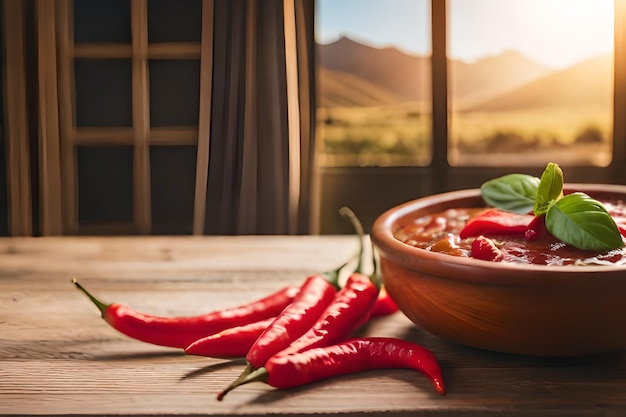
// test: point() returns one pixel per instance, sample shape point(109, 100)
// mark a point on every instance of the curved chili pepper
point(237, 341)
point(356, 355)
point(180, 332)
point(350, 309)
point(347, 310)
point(230, 343)
point(315, 295)
point(384, 305)
point(312, 298)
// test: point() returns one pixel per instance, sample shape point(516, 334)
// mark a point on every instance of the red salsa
point(440, 232)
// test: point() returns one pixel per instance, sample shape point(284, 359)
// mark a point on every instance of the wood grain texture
point(58, 357)
point(141, 116)
point(50, 184)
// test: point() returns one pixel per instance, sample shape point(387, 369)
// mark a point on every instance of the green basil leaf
point(513, 192)
point(550, 188)
point(583, 222)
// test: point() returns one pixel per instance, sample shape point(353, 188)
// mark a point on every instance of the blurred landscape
point(374, 108)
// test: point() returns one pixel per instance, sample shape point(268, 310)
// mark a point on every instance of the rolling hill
point(407, 77)
point(400, 74)
point(354, 74)
point(338, 88)
point(588, 83)
point(491, 76)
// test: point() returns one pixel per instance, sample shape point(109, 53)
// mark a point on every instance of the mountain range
point(354, 74)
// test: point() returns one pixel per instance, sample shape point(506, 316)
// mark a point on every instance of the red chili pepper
point(180, 332)
point(296, 320)
point(356, 355)
point(237, 341)
point(384, 306)
point(350, 309)
point(230, 343)
point(494, 222)
point(314, 296)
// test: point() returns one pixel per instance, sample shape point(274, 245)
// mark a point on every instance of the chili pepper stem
point(102, 306)
point(244, 374)
point(254, 375)
point(358, 227)
point(333, 276)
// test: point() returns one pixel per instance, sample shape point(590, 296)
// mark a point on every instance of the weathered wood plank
point(58, 357)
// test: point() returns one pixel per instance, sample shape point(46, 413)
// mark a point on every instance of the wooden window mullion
point(50, 164)
point(141, 115)
point(619, 89)
point(439, 60)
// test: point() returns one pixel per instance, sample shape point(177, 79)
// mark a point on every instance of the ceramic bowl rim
point(481, 271)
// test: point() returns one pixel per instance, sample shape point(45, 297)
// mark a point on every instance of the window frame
point(60, 136)
point(387, 186)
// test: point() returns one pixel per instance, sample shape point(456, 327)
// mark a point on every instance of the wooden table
point(58, 357)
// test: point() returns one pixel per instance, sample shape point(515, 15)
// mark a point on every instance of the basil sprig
point(575, 219)
point(513, 192)
point(550, 189)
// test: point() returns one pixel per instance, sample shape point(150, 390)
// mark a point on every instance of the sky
point(556, 33)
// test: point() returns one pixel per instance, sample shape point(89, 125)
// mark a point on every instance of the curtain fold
point(308, 214)
point(249, 183)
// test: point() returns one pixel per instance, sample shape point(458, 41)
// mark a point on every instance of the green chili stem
point(102, 306)
point(333, 276)
point(358, 227)
point(258, 375)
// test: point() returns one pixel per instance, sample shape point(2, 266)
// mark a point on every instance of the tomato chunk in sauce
point(439, 232)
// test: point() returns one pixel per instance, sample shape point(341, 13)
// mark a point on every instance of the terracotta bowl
point(504, 307)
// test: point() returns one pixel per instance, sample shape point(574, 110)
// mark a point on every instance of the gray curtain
point(251, 185)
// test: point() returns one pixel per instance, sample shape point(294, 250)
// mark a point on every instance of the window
point(530, 80)
point(130, 78)
point(389, 131)
point(374, 83)
point(473, 137)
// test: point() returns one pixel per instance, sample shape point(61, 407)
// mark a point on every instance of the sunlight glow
point(557, 33)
